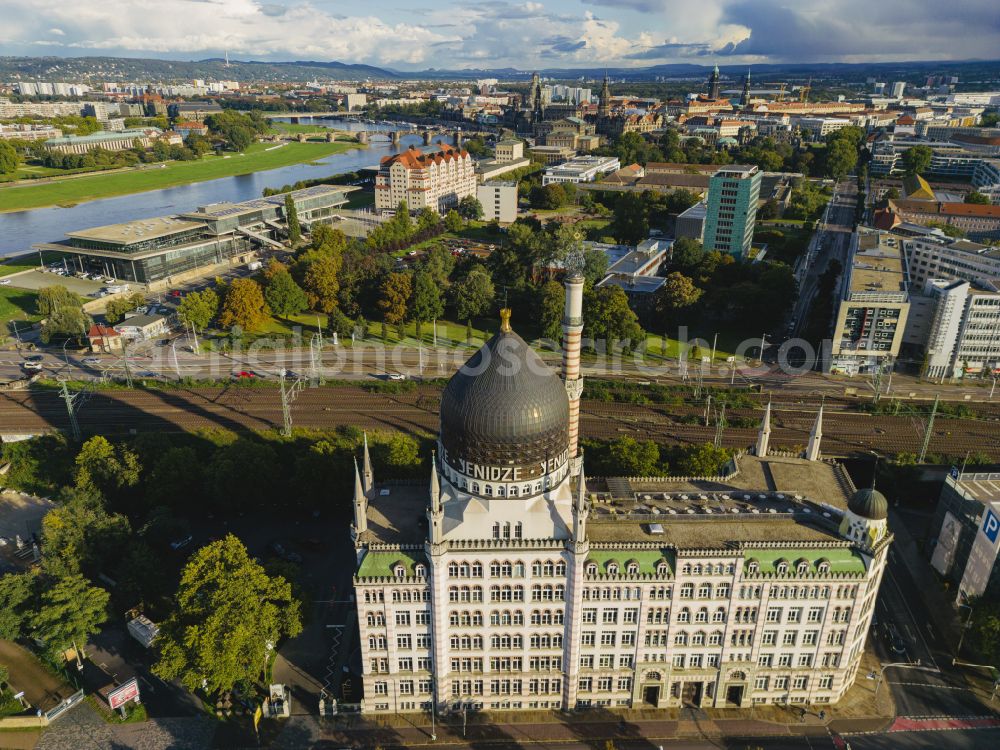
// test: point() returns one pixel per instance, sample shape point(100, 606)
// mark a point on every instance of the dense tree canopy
point(244, 306)
point(230, 614)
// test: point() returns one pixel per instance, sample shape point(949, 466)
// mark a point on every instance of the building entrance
point(734, 695)
point(651, 695)
point(692, 693)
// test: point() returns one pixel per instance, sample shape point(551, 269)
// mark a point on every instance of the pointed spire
point(435, 485)
point(815, 437)
point(581, 491)
point(369, 474)
point(764, 436)
point(360, 503)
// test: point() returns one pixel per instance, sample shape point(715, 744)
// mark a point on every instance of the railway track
point(846, 431)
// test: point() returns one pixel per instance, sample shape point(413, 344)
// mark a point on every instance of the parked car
point(91, 360)
point(33, 366)
point(4, 282)
point(175, 293)
point(397, 376)
point(243, 374)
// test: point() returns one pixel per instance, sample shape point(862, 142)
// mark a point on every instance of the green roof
point(841, 559)
point(379, 564)
point(647, 559)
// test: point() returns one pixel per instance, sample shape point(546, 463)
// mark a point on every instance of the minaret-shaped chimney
point(572, 327)
point(764, 436)
point(360, 505)
point(369, 475)
point(435, 485)
point(815, 437)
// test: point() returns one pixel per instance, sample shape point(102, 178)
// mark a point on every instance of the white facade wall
point(499, 201)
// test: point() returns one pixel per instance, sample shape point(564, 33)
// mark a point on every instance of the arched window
point(399, 570)
point(513, 490)
point(719, 615)
point(687, 591)
point(612, 569)
point(705, 591)
point(684, 615)
point(633, 568)
point(781, 567)
point(802, 567)
point(686, 569)
point(591, 568)
point(753, 568)
point(421, 570)
point(662, 568)
point(701, 615)
point(824, 566)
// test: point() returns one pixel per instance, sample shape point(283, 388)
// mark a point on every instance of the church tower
point(713, 84)
point(535, 95)
point(604, 102)
point(745, 97)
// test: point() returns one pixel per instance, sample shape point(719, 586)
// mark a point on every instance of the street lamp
point(965, 628)
point(901, 665)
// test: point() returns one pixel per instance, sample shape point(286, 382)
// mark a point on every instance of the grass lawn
point(155, 177)
point(360, 199)
point(17, 304)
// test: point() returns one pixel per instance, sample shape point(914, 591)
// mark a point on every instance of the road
point(831, 241)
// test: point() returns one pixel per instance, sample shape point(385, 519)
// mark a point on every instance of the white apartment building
point(437, 180)
point(510, 582)
point(929, 258)
point(581, 169)
point(499, 201)
point(874, 305)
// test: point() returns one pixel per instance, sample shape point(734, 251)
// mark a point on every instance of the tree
point(116, 308)
point(949, 230)
point(66, 322)
point(439, 263)
point(841, 158)
point(474, 294)
point(9, 159)
point(984, 631)
point(631, 223)
point(453, 221)
point(426, 303)
point(470, 208)
point(394, 296)
point(977, 198)
point(917, 159)
point(17, 592)
point(53, 298)
point(81, 538)
point(292, 219)
point(229, 617)
point(71, 611)
point(608, 317)
point(635, 458)
point(284, 296)
point(104, 469)
point(770, 210)
point(550, 312)
point(595, 264)
point(244, 306)
point(702, 461)
point(677, 293)
point(686, 254)
point(242, 474)
point(198, 308)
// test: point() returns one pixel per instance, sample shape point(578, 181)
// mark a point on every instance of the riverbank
point(80, 189)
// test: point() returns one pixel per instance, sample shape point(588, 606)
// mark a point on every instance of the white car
point(32, 365)
point(91, 360)
point(396, 376)
point(4, 282)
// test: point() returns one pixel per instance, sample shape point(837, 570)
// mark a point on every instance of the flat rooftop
point(140, 229)
point(774, 499)
point(878, 265)
point(982, 486)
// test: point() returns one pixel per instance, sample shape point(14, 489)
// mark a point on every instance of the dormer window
point(753, 568)
point(781, 567)
point(633, 568)
point(824, 566)
point(612, 569)
point(802, 567)
point(399, 570)
point(662, 569)
point(420, 570)
point(591, 569)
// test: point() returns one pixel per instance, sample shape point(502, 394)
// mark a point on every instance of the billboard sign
point(947, 542)
point(124, 693)
point(983, 555)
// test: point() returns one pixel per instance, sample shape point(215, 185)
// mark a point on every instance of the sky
point(411, 35)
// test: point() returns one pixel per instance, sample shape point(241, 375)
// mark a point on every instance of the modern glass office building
point(732, 209)
point(146, 251)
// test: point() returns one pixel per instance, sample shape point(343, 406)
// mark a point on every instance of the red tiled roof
point(414, 158)
point(98, 332)
point(947, 209)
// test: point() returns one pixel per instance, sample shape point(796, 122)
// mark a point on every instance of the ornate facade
point(509, 581)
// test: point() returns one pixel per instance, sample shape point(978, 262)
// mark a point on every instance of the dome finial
point(505, 320)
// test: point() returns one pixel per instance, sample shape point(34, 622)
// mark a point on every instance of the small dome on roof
point(869, 503)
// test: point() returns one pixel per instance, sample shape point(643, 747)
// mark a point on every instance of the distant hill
point(167, 71)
